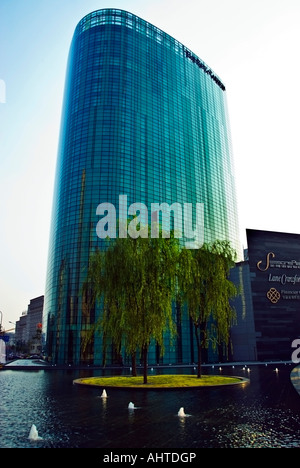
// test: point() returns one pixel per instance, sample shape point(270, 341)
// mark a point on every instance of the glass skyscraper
point(144, 117)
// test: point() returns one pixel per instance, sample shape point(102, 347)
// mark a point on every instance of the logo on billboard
point(285, 264)
point(270, 254)
point(273, 295)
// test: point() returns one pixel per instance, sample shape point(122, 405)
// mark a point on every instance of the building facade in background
point(143, 116)
point(28, 334)
point(243, 335)
point(274, 262)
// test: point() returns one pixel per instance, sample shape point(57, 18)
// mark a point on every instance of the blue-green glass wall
point(145, 117)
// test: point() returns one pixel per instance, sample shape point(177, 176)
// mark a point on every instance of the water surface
point(264, 413)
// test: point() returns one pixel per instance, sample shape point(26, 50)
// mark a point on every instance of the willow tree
point(136, 280)
point(206, 289)
point(105, 284)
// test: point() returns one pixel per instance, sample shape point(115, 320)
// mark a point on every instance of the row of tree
point(136, 281)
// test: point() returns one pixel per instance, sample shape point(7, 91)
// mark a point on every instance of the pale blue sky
point(252, 45)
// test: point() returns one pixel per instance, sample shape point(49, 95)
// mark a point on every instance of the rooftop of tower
point(129, 20)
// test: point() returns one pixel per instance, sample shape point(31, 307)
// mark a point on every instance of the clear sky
point(252, 45)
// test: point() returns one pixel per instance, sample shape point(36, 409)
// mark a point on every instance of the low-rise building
point(29, 328)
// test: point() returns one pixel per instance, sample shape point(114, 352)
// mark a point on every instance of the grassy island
point(161, 381)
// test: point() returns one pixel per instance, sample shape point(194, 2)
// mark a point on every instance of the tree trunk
point(133, 361)
point(199, 373)
point(104, 351)
point(145, 356)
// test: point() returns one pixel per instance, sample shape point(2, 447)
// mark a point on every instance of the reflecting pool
point(264, 413)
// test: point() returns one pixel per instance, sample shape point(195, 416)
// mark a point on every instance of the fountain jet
point(33, 434)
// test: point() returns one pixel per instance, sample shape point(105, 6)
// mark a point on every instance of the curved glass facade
point(145, 117)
